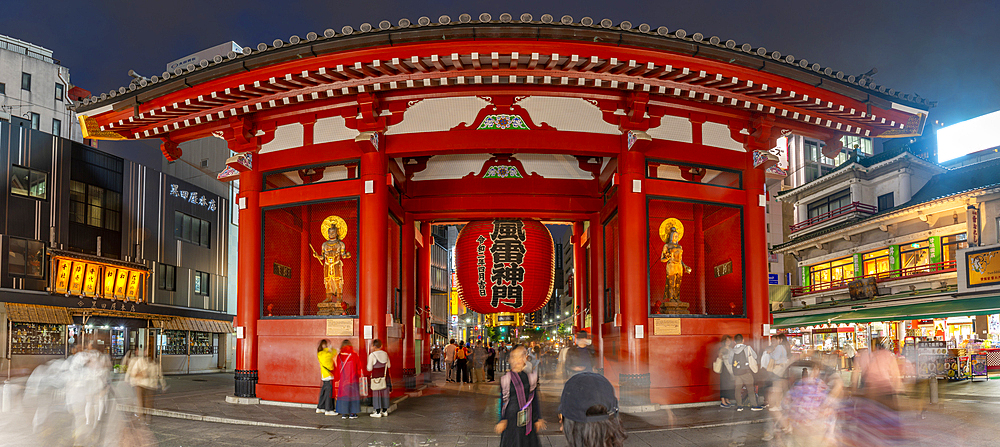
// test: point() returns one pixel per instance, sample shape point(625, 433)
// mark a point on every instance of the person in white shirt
point(449, 361)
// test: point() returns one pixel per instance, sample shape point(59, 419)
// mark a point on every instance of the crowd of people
point(78, 401)
point(588, 411)
point(810, 402)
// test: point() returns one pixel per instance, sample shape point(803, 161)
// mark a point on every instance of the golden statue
point(331, 257)
point(671, 232)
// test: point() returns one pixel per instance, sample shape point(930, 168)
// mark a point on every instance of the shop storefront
point(37, 334)
point(191, 345)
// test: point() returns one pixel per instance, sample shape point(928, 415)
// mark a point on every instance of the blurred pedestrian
point(808, 410)
point(520, 413)
point(491, 362)
point(742, 363)
point(378, 365)
point(502, 352)
point(849, 353)
point(588, 412)
point(726, 383)
point(348, 374)
point(479, 354)
point(325, 354)
point(580, 358)
point(146, 377)
point(449, 361)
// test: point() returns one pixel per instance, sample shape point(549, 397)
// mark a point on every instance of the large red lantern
point(504, 265)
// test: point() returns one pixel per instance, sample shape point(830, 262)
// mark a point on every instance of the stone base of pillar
point(409, 379)
point(633, 389)
point(246, 383)
point(425, 373)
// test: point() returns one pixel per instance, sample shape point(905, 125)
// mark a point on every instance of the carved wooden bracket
point(833, 147)
point(638, 115)
point(170, 149)
point(414, 165)
point(243, 135)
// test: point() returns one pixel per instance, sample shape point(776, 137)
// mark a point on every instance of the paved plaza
point(193, 412)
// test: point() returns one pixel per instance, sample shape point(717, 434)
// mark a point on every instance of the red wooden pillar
point(374, 232)
point(305, 261)
point(597, 286)
point(248, 282)
point(755, 244)
point(424, 296)
point(411, 331)
point(633, 247)
point(579, 278)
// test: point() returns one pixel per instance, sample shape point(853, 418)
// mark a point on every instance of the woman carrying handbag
point(348, 371)
point(378, 365)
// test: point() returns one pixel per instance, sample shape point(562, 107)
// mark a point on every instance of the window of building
point(3, 88)
point(59, 91)
point(201, 285)
point(26, 258)
point(56, 127)
point(26, 81)
point(915, 254)
point(94, 206)
point(167, 277)
point(950, 245)
point(28, 182)
point(885, 201)
point(830, 203)
point(36, 120)
point(833, 273)
point(861, 145)
point(875, 262)
point(192, 229)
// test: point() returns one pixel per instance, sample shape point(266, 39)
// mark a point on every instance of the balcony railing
point(853, 207)
point(890, 275)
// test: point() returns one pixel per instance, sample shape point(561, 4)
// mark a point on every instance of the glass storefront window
point(875, 262)
point(951, 244)
point(173, 343)
point(915, 254)
point(325, 281)
point(833, 273)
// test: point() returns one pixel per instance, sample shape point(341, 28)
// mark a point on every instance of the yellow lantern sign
point(110, 273)
point(76, 278)
point(134, 279)
point(121, 284)
point(90, 280)
point(62, 276)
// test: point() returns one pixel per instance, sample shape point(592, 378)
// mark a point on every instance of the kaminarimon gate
point(652, 143)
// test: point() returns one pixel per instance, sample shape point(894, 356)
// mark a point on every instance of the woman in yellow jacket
point(325, 354)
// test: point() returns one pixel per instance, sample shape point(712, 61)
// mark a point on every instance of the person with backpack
point(462, 363)
point(520, 412)
point(436, 358)
point(742, 363)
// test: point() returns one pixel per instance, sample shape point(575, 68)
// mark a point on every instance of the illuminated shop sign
point(983, 267)
point(193, 197)
point(97, 280)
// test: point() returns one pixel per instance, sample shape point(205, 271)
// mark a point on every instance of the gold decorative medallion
point(333, 221)
point(665, 228)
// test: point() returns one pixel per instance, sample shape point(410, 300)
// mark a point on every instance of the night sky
point(945, 51)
